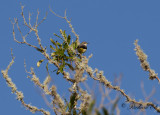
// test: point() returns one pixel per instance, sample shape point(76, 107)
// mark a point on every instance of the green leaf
point(72, 100)
point(74, 112)
point(39, 62)
point(70, 58)
point(84, 112)
point(97, 112)
point(60, 52)
point(71, 67)
point(40, 50)
point(105, 111)
point(54, 70)
point(70, 53)
point(74, 45)
point(79, 59)
point(52, 48)
point(61, 67)
point(53, 42)
point(58, 72)
point(67, 104)
point(61, 31)
point(65, 46)
point(68, 39)
point(90, 109)
point(53, 54)
point(57, 36)
point(63, 34)
point(60, 45)
point(47, 67)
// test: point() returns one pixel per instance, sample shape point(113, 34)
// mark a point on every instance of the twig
point(69, 22)
point(19, 94)
point(144, 63)
point(101, 78)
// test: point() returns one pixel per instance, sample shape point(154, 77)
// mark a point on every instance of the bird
point(82, 47)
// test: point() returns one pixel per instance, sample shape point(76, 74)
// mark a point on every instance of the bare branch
point(19, 94)
point(101, 78)
point(69, 22)
point(144, 63)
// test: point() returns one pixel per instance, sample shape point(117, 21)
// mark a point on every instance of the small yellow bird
point(82, 47)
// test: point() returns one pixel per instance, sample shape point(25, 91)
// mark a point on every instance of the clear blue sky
point(110, 26)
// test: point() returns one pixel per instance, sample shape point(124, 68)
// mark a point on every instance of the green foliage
point(39, 62)
point(47, 67)
point(91, 110)
point(70, 106)
point(72, 101)
point(69, 39)
point(88, 110)
point(40, 50)
point(70, 66)
point(63, 52)
point(91, 106)
point(105, 111)
point(97, 112)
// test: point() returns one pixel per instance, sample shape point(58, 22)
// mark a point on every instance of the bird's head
point(84, 43)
